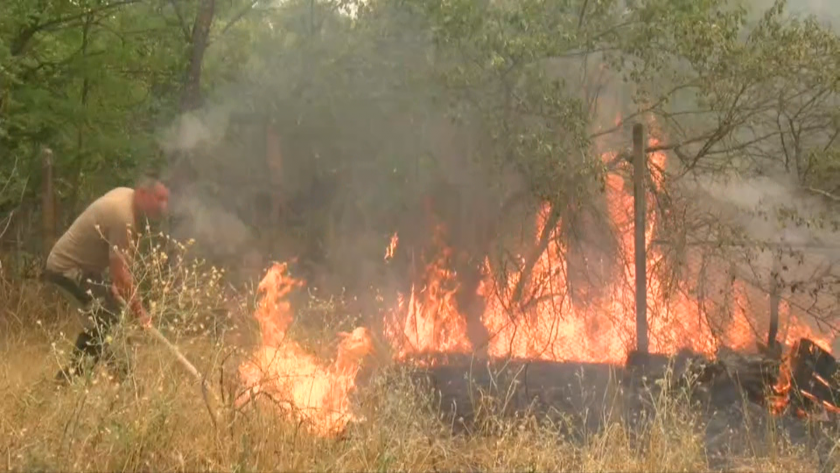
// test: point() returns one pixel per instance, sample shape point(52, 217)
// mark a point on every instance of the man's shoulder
point(105, 218)
point(116, 202)
point(116, 194)
point(114, 211)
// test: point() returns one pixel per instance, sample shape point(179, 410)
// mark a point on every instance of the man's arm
point(121, 276)
point(123, 281)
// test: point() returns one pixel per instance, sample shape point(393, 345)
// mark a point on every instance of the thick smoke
point(199, 210)
point(366, 149)
point(198, 130)
point(784, 236)
point(362, 123)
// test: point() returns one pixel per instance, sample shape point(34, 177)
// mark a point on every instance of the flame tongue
point(429, 320)
point(549, 325)
point(303, 386)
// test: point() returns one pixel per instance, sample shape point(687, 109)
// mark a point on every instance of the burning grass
point(156, 419)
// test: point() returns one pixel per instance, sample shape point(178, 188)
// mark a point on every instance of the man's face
point(154, 202)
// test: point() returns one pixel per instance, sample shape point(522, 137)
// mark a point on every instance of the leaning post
point(772, 342)
point(640, 210)
point(48, 212)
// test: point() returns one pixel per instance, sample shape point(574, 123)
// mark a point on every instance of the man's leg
point(105, 311)
point(69, 286)
point(94, 296)
point(119, 364)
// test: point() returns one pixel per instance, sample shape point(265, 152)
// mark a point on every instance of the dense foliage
point(478, 108)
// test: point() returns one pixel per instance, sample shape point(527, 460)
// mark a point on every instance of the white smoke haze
point(209, 213)
point(210, 222)
point(201, 129)
point(794, 228)
point(826, 11)
point(199, 209)
point(759, 205)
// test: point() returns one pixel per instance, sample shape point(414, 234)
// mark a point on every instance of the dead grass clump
point(158, 421)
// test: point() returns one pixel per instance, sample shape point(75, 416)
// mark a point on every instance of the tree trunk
point(191, 97)
point(75, 178)
point(182, 172)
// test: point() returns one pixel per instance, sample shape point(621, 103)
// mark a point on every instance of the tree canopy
point(329, 125)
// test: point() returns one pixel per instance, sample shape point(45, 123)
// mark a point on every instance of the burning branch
point(551, 220)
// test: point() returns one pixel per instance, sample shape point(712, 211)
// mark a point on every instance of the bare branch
point(823, 193)
point(662, 99)
point(8, 222)
point(239, 16)
point(582, 13)
point(182, 22)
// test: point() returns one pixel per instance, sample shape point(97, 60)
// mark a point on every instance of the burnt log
point(813, 378)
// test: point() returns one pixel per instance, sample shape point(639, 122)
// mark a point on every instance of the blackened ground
point(585, 397)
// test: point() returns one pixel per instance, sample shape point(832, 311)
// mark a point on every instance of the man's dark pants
point(94, 294)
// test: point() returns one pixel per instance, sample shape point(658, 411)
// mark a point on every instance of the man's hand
point(123, 287)
point(135, 306)
point(143, 317)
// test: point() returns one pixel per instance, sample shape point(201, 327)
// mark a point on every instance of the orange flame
point(602, 331)
point(392, 246)
point(429, 321)
point(303, 386)
point(548, 325)
point(551, 326)
point(780, 392)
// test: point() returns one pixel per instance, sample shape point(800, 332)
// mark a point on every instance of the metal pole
point(639, 210)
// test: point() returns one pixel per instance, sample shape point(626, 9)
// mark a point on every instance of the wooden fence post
point(48, 214)
point(772, 343)
point(639, 210)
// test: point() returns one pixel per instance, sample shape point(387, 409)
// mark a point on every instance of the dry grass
point(157, 420)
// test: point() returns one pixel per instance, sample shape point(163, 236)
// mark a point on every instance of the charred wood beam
point(813, 378)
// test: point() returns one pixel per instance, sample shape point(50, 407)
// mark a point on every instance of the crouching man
point(99, 240)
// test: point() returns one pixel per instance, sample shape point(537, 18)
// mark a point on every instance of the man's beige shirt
point(88, 243)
